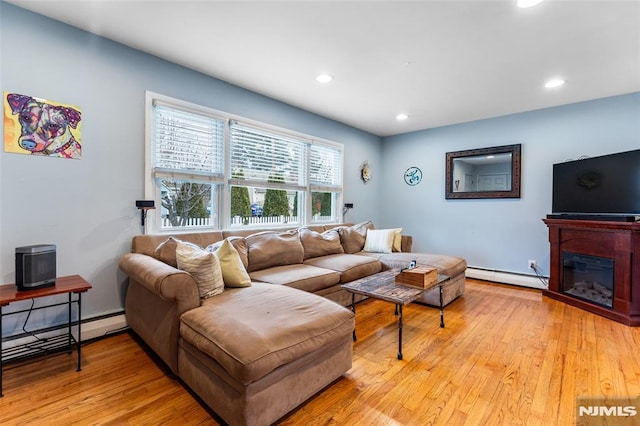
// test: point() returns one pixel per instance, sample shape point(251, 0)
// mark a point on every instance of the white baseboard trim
point(504, 277)
point(91, 329)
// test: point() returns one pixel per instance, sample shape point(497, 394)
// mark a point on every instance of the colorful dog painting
point(39, 127)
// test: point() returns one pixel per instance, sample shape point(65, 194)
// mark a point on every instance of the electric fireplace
point(589, 278)
point(595, 266)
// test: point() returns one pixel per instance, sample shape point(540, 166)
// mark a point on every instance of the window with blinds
point(267, 157)
point(210, 169)
point(187, 142)
point(187, 162)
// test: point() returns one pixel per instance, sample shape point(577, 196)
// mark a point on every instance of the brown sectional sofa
point(255, 353)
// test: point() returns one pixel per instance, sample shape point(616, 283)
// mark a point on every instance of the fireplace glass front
point(588, 278)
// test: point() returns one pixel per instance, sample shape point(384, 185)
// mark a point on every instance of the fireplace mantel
point(618, 241)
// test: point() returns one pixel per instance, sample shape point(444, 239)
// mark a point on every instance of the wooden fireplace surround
point(619, 241)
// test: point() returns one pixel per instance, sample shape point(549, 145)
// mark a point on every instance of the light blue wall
point(87, 207)
point(499, 234)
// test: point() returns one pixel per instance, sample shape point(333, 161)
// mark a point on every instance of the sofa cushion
point(245, 232)
point(350, 266)
point(233, 272)
point(147, 244)
point(166, 251)
point(447, 265)
point(303, 277)
point(203, 266)
point(239, 243)
point(163, 248)
point(268, 249)
point(353, 237)
point(254, 330)
point(320, 244)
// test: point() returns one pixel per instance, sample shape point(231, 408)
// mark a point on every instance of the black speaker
point(35, 266)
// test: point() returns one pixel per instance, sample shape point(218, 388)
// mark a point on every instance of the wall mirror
point(484, 173)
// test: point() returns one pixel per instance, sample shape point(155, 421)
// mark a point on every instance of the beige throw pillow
point(233, 271)
point(379, 240)
point(203, 266)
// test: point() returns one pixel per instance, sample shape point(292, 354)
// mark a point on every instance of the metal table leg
point(69, 335)
point(79, 329)
point(353, 308)
point(399, 309)
point(441, 308)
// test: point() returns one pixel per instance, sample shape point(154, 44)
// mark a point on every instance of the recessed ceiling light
point(556, 82)
point(401, 117)
point(324, 78)
point(527, 3)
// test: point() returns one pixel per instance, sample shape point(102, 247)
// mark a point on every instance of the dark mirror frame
point(514, 150)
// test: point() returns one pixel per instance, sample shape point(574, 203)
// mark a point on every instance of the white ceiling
point(441, 62)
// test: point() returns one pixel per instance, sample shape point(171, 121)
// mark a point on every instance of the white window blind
point(185, 141)
point(325, 167)
point(266, 156)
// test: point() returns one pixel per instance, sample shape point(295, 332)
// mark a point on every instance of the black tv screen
point(606, 185)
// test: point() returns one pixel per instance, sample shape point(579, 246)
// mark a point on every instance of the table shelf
point(40, 346)
point(44, 345)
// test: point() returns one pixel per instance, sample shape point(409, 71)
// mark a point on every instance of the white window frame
point(222, 218)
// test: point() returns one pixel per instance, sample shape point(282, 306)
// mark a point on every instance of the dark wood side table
point(64, 285)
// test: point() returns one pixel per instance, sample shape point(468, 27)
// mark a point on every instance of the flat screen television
point(605, 187)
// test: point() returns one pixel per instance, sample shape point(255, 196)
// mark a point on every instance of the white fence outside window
point(244, 221)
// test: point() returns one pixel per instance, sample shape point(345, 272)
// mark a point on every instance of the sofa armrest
point(165, 281)
point(157, 295)
point(407, 243)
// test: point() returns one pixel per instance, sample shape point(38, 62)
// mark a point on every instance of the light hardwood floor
point(507, 356)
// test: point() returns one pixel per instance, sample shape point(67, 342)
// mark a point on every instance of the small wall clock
point(413, 176)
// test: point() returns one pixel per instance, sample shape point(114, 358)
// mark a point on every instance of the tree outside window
point(240, 201)
point(186, 203)
point(321, 203)
point(276, 202)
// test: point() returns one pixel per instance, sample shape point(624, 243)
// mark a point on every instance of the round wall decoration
point(413, 176)
point(365, 172)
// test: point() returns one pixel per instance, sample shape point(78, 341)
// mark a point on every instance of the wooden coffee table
point(383, 286)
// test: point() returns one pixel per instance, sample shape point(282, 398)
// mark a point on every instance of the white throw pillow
point(203, 266)
point(379, 240)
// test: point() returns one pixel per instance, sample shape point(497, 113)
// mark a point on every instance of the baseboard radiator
point(504, 277)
